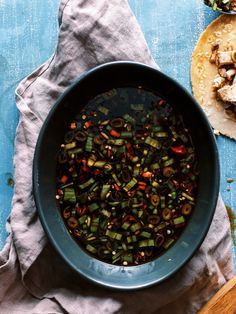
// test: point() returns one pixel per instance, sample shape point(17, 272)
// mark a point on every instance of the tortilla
point(222, 31)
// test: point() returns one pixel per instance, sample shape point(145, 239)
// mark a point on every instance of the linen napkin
point(33, 278)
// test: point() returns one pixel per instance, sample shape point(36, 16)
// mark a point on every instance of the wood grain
point(224, 301)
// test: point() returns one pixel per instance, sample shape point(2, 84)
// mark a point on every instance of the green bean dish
point(126, 176)
point(222, 5)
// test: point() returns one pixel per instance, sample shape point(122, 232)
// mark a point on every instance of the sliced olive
point(186, 209)
point(155, 199)
point(80, 136)
point(66, 213)
point(117, 123)
point(72, 222)
point(159, 239)
point(166, 214)
point(98, 140)
point(148, 252)
point(168, 171)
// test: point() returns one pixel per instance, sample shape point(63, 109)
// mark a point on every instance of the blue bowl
point(92, 83)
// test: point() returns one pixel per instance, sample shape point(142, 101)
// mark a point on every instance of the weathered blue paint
point(28, 33)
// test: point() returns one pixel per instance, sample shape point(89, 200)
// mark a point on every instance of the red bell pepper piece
point(179, 150)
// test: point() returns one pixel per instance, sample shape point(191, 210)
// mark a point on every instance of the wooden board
point(224, 301)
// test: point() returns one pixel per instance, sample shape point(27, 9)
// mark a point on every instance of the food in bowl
point(222, 5)
point(126, 176)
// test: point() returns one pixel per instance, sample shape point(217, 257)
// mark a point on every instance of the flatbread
point(222, 31)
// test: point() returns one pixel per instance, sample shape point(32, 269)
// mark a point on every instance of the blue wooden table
point(28, 35)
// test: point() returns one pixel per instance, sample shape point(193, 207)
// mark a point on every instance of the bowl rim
point(99, 268)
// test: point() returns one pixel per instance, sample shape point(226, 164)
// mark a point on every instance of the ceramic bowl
point(92, 83)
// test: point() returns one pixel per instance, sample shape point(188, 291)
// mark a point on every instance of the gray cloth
point(33, 278)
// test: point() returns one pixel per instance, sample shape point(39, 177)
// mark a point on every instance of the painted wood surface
point(28, 35)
